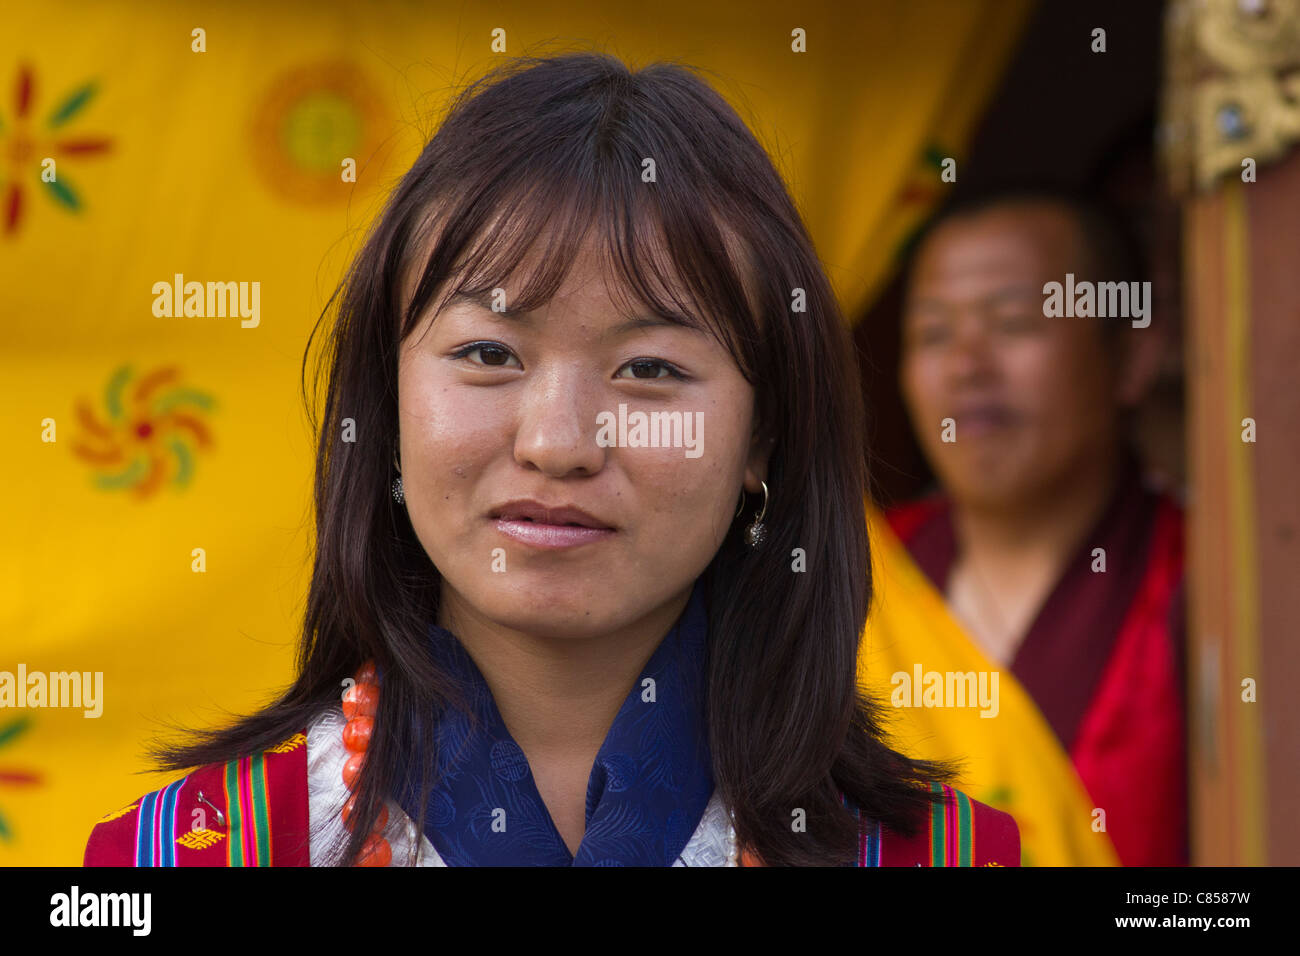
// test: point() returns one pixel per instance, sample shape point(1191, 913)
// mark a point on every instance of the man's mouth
point(982, 418)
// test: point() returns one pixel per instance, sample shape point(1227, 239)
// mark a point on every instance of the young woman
point(541, 629)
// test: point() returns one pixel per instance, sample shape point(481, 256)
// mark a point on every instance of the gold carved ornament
point(1232, 87)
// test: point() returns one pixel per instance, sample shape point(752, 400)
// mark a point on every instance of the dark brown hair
point(550, 146)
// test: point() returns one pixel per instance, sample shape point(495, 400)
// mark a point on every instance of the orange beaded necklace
point(360, 703)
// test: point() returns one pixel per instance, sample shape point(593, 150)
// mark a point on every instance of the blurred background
point(144, 141)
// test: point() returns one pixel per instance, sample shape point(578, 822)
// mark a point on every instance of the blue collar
point(649, 785)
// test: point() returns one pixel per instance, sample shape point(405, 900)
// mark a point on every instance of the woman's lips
point(550, 537)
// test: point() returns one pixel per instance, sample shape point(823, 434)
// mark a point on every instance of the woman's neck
point(559, 696)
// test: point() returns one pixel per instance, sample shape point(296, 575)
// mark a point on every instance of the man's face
point(1031, 397)
point(494, 409)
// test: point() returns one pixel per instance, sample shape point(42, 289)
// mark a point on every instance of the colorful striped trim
point(870, 852)
point(144, 830)
point(247, 806)
point(952, 829)
point(869, 842)
point(155, 827)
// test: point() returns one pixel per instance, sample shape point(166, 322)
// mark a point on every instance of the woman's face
point(504, 416)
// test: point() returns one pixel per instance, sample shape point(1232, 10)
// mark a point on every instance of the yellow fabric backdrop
point(174, 434)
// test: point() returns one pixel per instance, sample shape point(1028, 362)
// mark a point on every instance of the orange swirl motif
point(152, 432)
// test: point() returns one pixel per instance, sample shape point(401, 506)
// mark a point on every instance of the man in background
point(1062, 570)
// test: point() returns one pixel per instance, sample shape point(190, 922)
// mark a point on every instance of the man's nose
point(971, 355)
point(557, 424)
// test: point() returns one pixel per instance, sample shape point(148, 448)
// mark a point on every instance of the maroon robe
point(1104, 660)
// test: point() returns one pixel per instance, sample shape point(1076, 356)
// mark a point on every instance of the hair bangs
point(532, 231)
point(479, 244)
point(696, 279)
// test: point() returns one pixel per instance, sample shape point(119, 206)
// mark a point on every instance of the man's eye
point(653, 367)
point(931, 334)
point(491, 356)
point(1014, 322)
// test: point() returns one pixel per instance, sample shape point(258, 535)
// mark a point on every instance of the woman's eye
point(651, 368)
point(491, 356)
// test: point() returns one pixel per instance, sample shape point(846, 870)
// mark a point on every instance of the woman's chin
point(552, 621)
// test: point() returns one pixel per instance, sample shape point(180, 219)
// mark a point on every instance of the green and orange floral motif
point(12, 776)
point(24, 144)
point(310, 119)
point(150, 433)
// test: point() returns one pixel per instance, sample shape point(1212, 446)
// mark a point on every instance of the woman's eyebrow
point(483, 300)
point(645, 322)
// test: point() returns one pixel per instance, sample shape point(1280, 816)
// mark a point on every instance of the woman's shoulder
point(250, 811)
point(958, 831)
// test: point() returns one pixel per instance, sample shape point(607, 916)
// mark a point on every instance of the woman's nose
point(557, 425)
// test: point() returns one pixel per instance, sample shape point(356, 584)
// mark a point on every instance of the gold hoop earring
point(757, 530)
point(399, 494)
